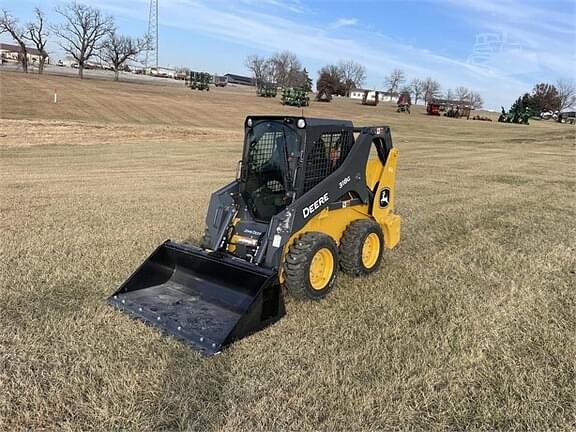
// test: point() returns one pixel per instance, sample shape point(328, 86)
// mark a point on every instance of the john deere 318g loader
point(308, 202)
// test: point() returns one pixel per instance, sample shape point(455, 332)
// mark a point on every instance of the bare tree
point(83, 32)
point(353, 75)
point(462, 93)
point(394, 80)
point(475, 100)
point(38, 34)
point(283, 69)
point(416, 88)
point(287, 69)
point(295, 77)
point(9, 24)
point(405, 89)
point(567, 93)
point(269, 71)
point(263, 69)
point(431, 89)
point(257, 65)
point(118, 50)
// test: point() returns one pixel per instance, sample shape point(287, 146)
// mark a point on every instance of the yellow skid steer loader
point(308, 202)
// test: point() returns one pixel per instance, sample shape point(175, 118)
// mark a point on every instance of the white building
point(10, 54)
point(382, 95)
point(389, 97)
point(357, 94)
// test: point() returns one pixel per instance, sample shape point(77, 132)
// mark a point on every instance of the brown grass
point(469, 325)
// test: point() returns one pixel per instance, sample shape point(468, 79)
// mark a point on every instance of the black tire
point(352, 244)
point(298, 261)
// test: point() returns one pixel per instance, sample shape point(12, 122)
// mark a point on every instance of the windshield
point(273, 149)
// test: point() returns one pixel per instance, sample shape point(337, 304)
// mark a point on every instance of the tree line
point(428, 88)
point(84, 33)
point(341, 78)
point(283, 69)
point(548, 97)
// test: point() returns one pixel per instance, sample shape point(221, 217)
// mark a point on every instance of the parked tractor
point(199, 81)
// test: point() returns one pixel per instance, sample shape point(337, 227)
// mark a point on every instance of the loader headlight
point(249, 122)
point(301, 123)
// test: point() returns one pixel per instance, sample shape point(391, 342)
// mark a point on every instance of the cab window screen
point(265, 157)
point(267, 176)
point(326, 156)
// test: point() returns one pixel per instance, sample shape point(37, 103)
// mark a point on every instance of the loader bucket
point(206, 299)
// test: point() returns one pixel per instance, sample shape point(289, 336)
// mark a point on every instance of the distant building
point(389, 96)
point(357, 94)
point(240, 80)
point(10, 54)
point(383, 96)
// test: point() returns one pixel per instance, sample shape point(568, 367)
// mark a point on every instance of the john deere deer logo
point(384, 197)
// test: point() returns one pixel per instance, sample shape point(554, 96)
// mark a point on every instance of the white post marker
point(55, 96)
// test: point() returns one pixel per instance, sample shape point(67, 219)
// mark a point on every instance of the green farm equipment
point(199, 81)
point(266, 89)
point(567, 117)
point(515, 115)
point(295, 97)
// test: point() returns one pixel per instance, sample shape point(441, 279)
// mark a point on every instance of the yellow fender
point(384, 179)
point(335, 222)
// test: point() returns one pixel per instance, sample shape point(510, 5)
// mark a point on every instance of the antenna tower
point(152, 51)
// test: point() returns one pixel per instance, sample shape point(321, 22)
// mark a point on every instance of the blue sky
point(499, 48)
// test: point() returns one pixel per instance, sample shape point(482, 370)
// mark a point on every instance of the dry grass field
point(470, 324)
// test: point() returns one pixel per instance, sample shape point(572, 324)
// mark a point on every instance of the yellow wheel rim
point(371, 250)
point(321, 269)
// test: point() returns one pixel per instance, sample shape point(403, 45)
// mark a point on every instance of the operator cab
point(275, 151)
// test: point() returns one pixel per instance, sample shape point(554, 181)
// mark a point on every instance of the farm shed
point(240, 80)
point(9, 54)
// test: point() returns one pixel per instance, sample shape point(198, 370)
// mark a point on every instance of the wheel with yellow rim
point(361, 247)
point(311, 266)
